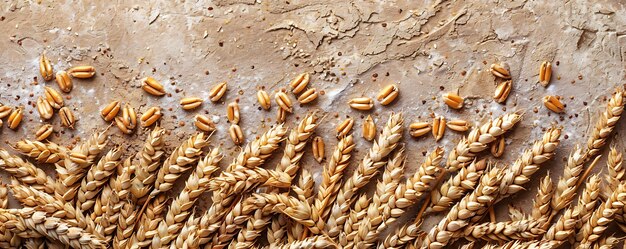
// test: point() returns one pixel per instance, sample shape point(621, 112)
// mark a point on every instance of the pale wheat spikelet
point(125, 225)
point(601, 217)
point(506, 231)
point(541, 203)
point(468, 245)
point(468, 207)
point(564, 227)
point(120, 190)
point(456, 187)
point(524, 167)
point(252, 156)
point(187, 238)
point(43, 153)
point(4, 194)
point(314, 242)
point(178, 162)
point(150, 219)
point(28, 223)
point(74, 166)
point(304, 191)
point(244, 179)
point(51, 244)
point(588, 199)
point(149, 163)
point(34, 243)
point(403, 236)
point(367, 169)
point(516, 214)
point(235, 219)
point(7, 238)
point(332, 175)
point(379, 211)
point(535, 244)
point(290, 163)
point(605, 124)
point(181, 207)
point(479, 139)
point(607, 242)
point(357, 213)
point(95, 179)
point(617, 172)
point(566, 187)
point(26, 172)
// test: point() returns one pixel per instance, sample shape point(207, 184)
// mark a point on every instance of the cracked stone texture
point(352, 49)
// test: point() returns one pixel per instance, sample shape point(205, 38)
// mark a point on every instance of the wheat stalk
point(479, 139)
point(373, 160)
point(28, 223)
point(332, 175)
point(541, 203)
point(524, 167)
point(468, 207)
point(149, 221)
point(566, 187)
point(180, 209)
point(74, 166)
point(43, 153)
point(605, 124)
point(601, 217)
point(456, 187)
point(26, 172)
point(506, 231)
point(125, 225)
point(95, 179)
point(178, 162)
point(252, 156)
point(365, 232)
point(149, 162)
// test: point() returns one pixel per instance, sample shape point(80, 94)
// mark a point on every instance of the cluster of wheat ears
point(100, 200)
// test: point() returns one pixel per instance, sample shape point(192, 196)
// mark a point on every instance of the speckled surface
point(352, 49)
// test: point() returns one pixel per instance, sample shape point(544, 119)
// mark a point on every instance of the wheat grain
point(149, 162)
point(283, 101)
point(45, 68)
point(26, 172)
point(67, 117)
point(605, 124)
point(64, 81)
point(361, 103)
point(180, 209)
point(95, 179)
point(545, 73)
point(44, 132)
point(308, 96)
point(458, 125)
point(454, 101)
point(460, 215)
point(5, 111)
point(344, 127)
point(554, 103)
point(439, 127)
point(15, 118)
point(44, 108)
point(203, 123)
point(419, 129)
point(28, 223)
point(53, 97)
point(318, 148)
point(43, 153)
point(82, 72)
point(218, 91)
point(110, 111)
point(478, 140)
point(388, 94)
point(190, 103)
point(232, 112)
point(264, 99)
point(497, 148)
point(501, 70)
point(505, 231)
point(299, 83)
point(601, 217)
point(151, 116)
point(178, 162)
point(369, 128)
point(236, 134)
point(152, 86)
point(373, 160)
point(456, 187)
point(502, 91)
point(125, 225)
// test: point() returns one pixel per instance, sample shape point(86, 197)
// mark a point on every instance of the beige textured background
point(353, 48)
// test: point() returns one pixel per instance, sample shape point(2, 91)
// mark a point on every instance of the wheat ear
point(607, 242)
point(479, 139)
point(26, 172)
point(365, 231)
point(28, 223)
point(332, 175)
point(566, 187)
point(537, 244)
point(34, 243)
point(95, 179)
point(605, 124)
point(304, 191)
point(357, 213)
point(7, 238)
point(43, 153)
point(468, 207)
point(524, 167)
point(74, 166)
point(187, 237)
point(456, 187)
point(149, 221)
point(403, 237)
point(181, 207)
point(149, 163)
point(601, 217)
point(4, 196)
point(617, 172)
point(506, 231)
point(125, 225)
point(252, 156)
point(588, 200)
point(289, 163)
point(314, 242)
point(373, 160)
point(179, 162)
point(113, 203)
point(541, 203)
